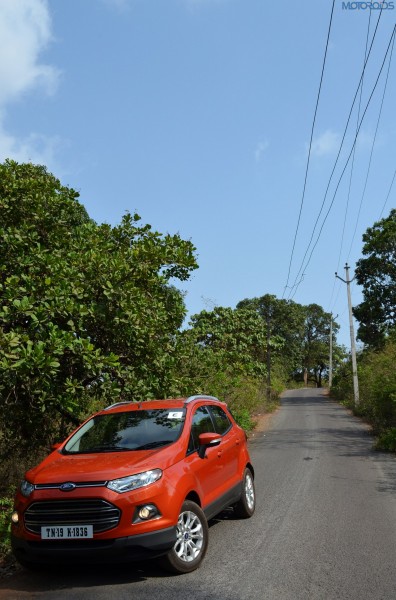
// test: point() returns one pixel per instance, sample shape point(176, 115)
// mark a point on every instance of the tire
point(192, 540)
point(245, 506)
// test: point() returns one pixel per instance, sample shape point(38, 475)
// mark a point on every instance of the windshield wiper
point(104, 448)
point(151, 445)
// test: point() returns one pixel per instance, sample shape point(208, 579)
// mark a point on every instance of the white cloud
point(365, 139)
point(25, 31)
point(261, 148)
point(35, 148)
point(325, 144)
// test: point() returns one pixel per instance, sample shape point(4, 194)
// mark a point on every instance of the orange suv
point(136, 480)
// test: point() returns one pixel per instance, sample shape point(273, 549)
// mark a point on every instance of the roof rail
point(118, 404)
point(201, 397)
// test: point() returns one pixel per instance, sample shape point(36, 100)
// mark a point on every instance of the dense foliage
point(377, 391)
point(238, 336)
point(223, 351)
point(87, 312)
point(283, 322)
point(376, 272)
point(297, 338)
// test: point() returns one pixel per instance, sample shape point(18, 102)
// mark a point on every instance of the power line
point(372, 150)
point(349, 156)
point(354, 151)
point(390, 189)
point(310, 147)
point(338, 155)
point(304, 266)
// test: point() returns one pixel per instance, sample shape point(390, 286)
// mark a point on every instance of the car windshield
point(132, 430)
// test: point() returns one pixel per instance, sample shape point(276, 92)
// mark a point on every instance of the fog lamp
point(147, 512)
point(15, 517)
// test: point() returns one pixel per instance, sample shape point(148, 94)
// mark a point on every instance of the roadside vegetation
point(376, 273)
point(91, 314)
point(377, 392)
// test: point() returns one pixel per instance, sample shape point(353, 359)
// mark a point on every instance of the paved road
point(324, 529)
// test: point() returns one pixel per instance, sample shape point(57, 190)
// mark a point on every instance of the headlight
point(127, 484)
point(26, 488)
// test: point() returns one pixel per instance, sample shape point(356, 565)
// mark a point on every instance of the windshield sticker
point(175, 415)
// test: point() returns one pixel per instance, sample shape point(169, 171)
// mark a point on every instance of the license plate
point(66, 532)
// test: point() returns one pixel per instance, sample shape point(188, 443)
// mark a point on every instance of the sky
point(199, 114)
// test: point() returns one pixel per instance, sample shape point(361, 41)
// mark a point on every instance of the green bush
point(88, 312)
point(342, 388)
point(244, 419)
point(377, 391)
point(378, 387)
point(387, 440)
point(6, 506)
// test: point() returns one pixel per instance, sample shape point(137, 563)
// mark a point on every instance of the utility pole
point(331, 350)
point(353, 347)
point(269, 355)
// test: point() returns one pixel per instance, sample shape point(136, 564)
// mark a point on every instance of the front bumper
point(125, 549)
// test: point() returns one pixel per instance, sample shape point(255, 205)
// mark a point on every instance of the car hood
point(58, 468)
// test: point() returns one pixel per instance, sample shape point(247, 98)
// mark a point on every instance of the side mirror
point(206, 440)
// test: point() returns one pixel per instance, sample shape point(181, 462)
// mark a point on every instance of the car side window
point(201, 423)
point(221, 420)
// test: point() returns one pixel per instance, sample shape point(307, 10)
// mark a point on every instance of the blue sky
point(197, 114)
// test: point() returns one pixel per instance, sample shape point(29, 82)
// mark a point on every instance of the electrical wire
point(338, 155)
point(354, 153)
point(333, 303)
point(387, 197)
point(309, 150)
point(371, 153)
point(304, 266)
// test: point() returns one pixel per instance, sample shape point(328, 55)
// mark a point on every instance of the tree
point(284, 324)
point(377, 384)
point(88, 314)
point(302, 332)
point(235, 335)
point(223, 353)
point(377, 274)
point(316, 343)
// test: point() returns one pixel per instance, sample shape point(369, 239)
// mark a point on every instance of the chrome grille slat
point(69, 511)
point(81, 484)
point(82, 518)
point(99, 513)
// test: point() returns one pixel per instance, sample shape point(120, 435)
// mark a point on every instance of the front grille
point(81, 484)
point(99, 513)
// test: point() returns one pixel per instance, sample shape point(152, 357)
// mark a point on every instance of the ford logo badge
point(67, 487)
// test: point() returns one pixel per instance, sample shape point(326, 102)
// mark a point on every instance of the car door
point(208, 471)
point(229, 447)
